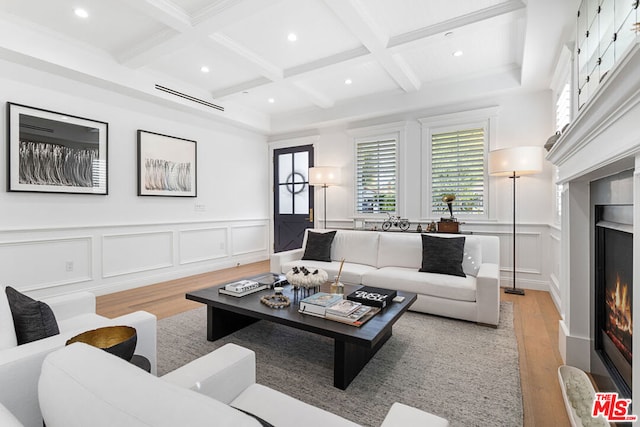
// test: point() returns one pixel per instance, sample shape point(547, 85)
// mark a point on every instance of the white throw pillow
point(472, 257)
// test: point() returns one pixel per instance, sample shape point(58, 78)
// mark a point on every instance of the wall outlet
point(222, 246)
point(68, 266)
point(201, 208)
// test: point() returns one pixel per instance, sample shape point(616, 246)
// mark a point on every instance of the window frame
point(396, 131)
point(482, 118)
point(563, 76)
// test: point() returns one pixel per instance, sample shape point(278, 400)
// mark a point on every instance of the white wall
point(121, 240)
point(525, 119)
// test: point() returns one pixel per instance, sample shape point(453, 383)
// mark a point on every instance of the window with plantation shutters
point(376, 181)
point(457, 167)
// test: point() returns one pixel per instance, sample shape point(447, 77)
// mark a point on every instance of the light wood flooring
point(535, 321)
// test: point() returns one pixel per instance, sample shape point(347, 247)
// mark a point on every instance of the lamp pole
point(324, 189)
point(514, 290)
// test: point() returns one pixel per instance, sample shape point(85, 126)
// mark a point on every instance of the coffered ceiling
point(349, 60)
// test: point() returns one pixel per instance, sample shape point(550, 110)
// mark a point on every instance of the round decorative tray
point(276, 301)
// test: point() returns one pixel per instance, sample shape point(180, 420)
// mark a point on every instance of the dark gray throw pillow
point(318, 246)
point(32, 320)
point(442, 255)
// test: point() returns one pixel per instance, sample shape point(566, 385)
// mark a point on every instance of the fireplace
point(613, 294)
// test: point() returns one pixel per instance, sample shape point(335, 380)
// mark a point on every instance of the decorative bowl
point(118, 340)
point(307, 277)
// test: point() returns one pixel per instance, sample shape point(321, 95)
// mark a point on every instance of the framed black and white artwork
point(166, 165)
point(51, 152)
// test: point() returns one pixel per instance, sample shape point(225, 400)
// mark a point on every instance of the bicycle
point(395, 220)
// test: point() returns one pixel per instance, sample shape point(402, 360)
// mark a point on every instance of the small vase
point(337, 287)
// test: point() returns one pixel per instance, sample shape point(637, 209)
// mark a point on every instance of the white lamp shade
point(324, 175)
point(525, 160)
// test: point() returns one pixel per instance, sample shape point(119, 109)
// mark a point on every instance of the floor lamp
point(515, 162)
point(324, 176)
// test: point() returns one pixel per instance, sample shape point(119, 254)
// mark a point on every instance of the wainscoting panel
point(136, 252)
point(249, 238)
point(528, 251)
point(203, 244)
point(553, 257)
point(36, 264)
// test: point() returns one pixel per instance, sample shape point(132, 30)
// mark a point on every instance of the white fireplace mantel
point(602, 141)
point(605, 136)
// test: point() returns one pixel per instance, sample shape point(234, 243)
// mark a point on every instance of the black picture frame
point(167, 165)
point(51, 152)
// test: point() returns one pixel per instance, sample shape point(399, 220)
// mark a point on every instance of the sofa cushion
point(89, 386)
point(356, 247)
point(7, 331)
point(433, 284)
point(33, 320)
point(282, 410)
point(351, 273)
point(318, 246)
point(443, 256)
point(400, 250)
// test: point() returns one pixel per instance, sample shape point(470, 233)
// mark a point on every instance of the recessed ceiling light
point(81, 13)
point(457, 53)
point(348, 81)
point(271, 100)
point(292, 37)
point(204, 69)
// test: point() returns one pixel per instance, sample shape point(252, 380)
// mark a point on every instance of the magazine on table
point(357, 318)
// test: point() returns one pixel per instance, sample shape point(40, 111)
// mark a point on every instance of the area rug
point(458, 370)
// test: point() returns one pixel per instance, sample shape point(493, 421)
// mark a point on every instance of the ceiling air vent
point(189, 97)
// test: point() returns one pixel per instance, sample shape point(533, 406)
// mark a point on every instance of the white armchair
point(80, 385)
point(75, 313)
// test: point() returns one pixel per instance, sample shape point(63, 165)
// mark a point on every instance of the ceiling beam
point(262, 66)
point(357, 19)
point(269, 71)
point(454, 23)
point(213, 18)
point(327, 61)
point(240, 87)
point(165, 11)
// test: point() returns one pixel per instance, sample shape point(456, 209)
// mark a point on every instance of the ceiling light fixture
point(204, 69)
point(292, 37)
point(81, 13)
point(457, 53)
point(348, 81)
point(271, 100)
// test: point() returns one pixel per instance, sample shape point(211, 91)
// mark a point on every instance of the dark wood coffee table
point(353, 347)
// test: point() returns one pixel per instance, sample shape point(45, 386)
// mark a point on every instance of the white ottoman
point(402, 415)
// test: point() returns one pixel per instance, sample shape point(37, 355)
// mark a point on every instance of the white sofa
point(82, 386)
point(391, 260)
point(20, 364)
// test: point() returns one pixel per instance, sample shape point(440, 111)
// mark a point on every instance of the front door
point(293, 200)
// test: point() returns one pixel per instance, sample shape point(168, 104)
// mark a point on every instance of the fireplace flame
point(620, 306)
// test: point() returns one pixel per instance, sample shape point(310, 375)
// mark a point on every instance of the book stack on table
point(316, 304)
point(242, 288)
point(333, 307)
point(350, 312)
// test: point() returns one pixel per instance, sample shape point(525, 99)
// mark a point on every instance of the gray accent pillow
point(33, 320)
point(318, 246)
point(442, 255)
